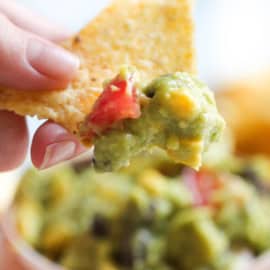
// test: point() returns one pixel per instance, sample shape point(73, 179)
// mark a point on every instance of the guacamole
point(153, 215)
point(176, 113)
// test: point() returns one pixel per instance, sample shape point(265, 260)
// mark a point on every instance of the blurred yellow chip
point(245, 105)
point(156, 36)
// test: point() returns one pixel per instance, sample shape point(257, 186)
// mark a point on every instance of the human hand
point(31, 61)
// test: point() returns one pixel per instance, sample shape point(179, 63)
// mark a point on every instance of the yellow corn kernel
point(182, 105)
point(29, 221)
point(106, 265)
point(153, 182)
point(57, 236)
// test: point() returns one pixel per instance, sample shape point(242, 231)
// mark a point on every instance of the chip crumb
point(77, 39)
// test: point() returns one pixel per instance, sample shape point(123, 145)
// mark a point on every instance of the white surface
point(232, 38)
point(71, 13)
point(8, 185)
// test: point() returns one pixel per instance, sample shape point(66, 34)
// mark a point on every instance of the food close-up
point(139, 141)
point(155, 215)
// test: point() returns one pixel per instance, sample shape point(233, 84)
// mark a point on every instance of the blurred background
point(232, 39)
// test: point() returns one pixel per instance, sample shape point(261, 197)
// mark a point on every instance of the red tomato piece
point(118, 101)
point(202, 185)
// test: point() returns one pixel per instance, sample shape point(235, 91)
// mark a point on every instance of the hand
point(31, 61)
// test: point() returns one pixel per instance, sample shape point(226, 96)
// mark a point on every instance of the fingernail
point(51, 60)
point(58, 152)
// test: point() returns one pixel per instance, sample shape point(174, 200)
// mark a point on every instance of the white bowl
point(15, 254)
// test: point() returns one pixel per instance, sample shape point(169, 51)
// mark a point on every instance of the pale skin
point(31, 60)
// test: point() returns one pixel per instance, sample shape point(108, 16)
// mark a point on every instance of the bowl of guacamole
point(153, 214)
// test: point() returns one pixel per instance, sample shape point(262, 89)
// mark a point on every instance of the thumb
point(32, 63)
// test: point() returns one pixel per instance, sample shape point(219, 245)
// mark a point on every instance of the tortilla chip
point(156, 36)
point(245, 107)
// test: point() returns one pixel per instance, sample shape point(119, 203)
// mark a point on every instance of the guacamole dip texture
point(178, 115)
point(153, 215)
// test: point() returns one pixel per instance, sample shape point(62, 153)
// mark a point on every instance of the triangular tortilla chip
point(156, 36)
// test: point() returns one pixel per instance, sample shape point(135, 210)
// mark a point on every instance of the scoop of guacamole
point(149, 216)
point(178, 115)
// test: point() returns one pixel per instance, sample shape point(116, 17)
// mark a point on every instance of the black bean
point(249, 174)
point(104, 165)
point(124, 256)
point(150, 94)
point(100, 226)
point(253, 178)
point(77, 39)
point(81, 166)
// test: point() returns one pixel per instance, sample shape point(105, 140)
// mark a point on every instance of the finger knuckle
point(12, 43)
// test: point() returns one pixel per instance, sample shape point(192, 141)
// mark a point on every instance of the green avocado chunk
point(193, 234)
point(179, 115)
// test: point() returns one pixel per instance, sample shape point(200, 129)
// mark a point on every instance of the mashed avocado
point(147, 216)
point(178, 115)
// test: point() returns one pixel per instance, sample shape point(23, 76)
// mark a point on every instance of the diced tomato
point(202, 185)
point(118, 101)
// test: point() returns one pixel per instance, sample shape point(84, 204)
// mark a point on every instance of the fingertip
point(29, 62)
point(52, 144)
